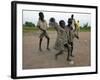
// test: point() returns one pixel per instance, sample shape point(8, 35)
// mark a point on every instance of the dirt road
point(33, 58)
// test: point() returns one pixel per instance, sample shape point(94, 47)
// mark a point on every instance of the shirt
point(73, 23)
point(77, 25)
point(70, 34)
point(42, 24)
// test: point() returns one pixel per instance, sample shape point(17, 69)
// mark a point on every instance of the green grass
point(85, 30)
point(34, 29)
point(30, 29)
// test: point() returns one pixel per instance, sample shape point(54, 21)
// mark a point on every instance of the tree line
point(30, 24)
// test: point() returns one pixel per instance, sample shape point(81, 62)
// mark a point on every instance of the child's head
point(72, 16)
point(41, 15)
point(78, 21)
point(52, 19)
point(52, 22)
point(62, 23)
point(69, 21)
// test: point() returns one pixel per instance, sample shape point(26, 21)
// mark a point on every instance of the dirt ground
point(33, 58)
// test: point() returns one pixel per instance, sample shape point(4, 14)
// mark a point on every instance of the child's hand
point(69, 46)
point(76, 36)
point(44, 31)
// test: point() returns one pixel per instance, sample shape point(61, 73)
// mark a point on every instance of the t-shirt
point(73, 23)
point(70, 33)
point(77, 25)
point(42, 24)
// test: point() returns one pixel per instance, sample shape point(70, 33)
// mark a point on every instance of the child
point(71, 35)
point(42, 25)
point(73, 22)
point(77, 28)
point(61, 40)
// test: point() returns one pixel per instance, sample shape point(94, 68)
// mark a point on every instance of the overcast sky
point(32, 16)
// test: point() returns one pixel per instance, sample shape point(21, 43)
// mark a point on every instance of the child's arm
point(67, 45)
point(41, 29)
point(54, 25)
point(76, 36)
point(61, 28)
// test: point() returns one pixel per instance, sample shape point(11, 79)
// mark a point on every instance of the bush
point(29, 24)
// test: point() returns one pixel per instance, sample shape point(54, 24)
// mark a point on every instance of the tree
point(29, 24)
point(85, 25)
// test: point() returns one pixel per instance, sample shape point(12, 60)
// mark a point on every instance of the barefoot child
point(42, 25)
point(71, 35)
point(61, 40)
point(77, 28)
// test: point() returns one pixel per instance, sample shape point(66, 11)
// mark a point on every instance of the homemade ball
point(71, 62)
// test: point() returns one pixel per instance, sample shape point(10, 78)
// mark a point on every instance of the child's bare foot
point(48, 49)
point(77, 36)
point(68, 59)
point(71, 62)
point(72, 55)
point(40, 49)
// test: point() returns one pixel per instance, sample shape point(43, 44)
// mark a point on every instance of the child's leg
point(68, 47)
point(69, 53)
point(59, 53)
point(40, 41)
point(48, 40)
point(40, 44)
point(72, 49)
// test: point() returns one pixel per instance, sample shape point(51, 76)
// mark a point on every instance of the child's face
point(72, 16)
point(52, 20)
point(41, 16)
point(62, 24)
point(70, 23)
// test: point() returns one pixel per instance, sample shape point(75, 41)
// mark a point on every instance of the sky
point(32, 16)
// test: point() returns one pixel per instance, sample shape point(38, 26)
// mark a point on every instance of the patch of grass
point(34, 29)
point(30, 29)
point(85, 30)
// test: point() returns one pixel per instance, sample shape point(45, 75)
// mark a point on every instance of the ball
point(71, 62)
